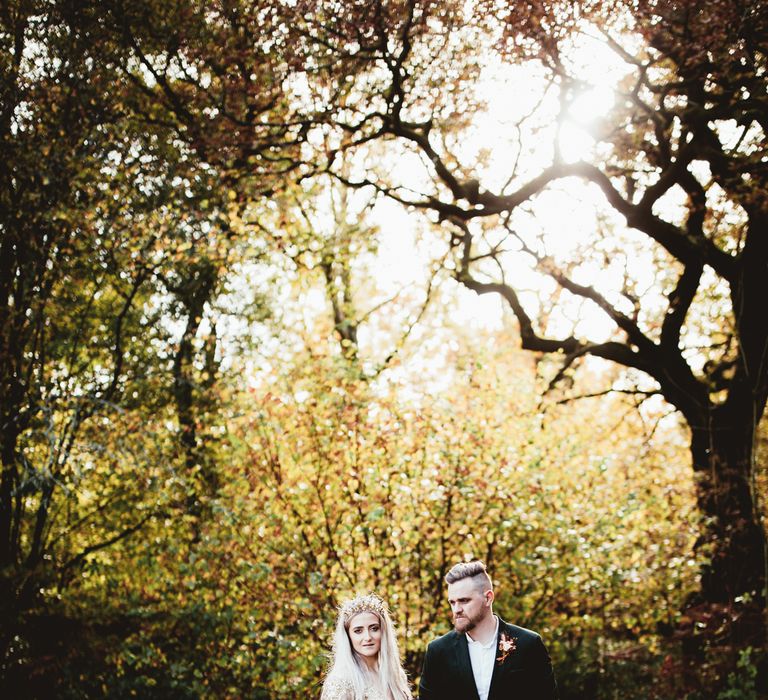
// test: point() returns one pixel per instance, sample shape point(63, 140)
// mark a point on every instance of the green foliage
point(188, 491)
point(330, 485)
point(330, 488)
point(742, 683)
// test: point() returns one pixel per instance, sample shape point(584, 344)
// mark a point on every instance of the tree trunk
point(193, 295)
point(733, 584)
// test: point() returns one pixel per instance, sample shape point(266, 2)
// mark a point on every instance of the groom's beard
point(465, 623)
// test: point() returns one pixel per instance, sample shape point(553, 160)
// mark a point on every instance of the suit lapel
point(497, 667)
point(461, 651)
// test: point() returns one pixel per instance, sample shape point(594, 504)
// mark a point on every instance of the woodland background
point(265, 340)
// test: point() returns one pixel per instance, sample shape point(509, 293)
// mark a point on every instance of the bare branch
point(91, 549)
point(609, 392)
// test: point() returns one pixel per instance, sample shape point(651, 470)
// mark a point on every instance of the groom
point(483, 658)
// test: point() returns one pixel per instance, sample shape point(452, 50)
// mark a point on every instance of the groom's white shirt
point(482, 657)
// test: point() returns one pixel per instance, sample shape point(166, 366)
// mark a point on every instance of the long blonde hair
point(345, 663)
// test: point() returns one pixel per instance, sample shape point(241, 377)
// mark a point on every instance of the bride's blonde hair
point(345, 664)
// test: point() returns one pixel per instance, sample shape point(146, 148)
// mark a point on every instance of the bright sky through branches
point(510, 140)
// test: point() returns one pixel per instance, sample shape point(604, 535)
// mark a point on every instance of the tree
point(107, 230)
point(133, 134)
point(689, 126)
point(54, 133)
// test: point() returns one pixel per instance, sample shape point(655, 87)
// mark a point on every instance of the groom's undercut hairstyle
point(470, 569)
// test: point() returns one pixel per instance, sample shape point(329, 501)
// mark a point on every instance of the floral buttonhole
point(507, 645)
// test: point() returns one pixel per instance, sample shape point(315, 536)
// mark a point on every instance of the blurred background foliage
point(220, 417)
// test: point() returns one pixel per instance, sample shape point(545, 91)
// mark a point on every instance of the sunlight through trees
point(304, 299)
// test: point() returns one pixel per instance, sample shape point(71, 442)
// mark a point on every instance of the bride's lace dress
point(342, 689)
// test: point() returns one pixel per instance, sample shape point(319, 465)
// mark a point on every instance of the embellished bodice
point(342, 689)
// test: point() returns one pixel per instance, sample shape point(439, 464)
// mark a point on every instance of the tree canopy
point(217, 415)
point(679, 163)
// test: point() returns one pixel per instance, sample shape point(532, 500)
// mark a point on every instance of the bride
point(365, 661)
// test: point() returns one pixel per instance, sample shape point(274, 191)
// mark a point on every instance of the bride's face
point(365, 634)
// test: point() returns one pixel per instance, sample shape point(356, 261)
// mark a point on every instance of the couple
point(483, 658)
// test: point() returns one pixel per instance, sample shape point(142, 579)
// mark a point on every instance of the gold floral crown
point(363, 603)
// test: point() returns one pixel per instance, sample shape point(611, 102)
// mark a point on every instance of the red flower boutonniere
point(507, 645)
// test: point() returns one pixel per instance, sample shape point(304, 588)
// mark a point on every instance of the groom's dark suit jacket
point(524, 673)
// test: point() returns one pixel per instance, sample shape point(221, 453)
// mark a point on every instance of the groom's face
point(469, 604)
